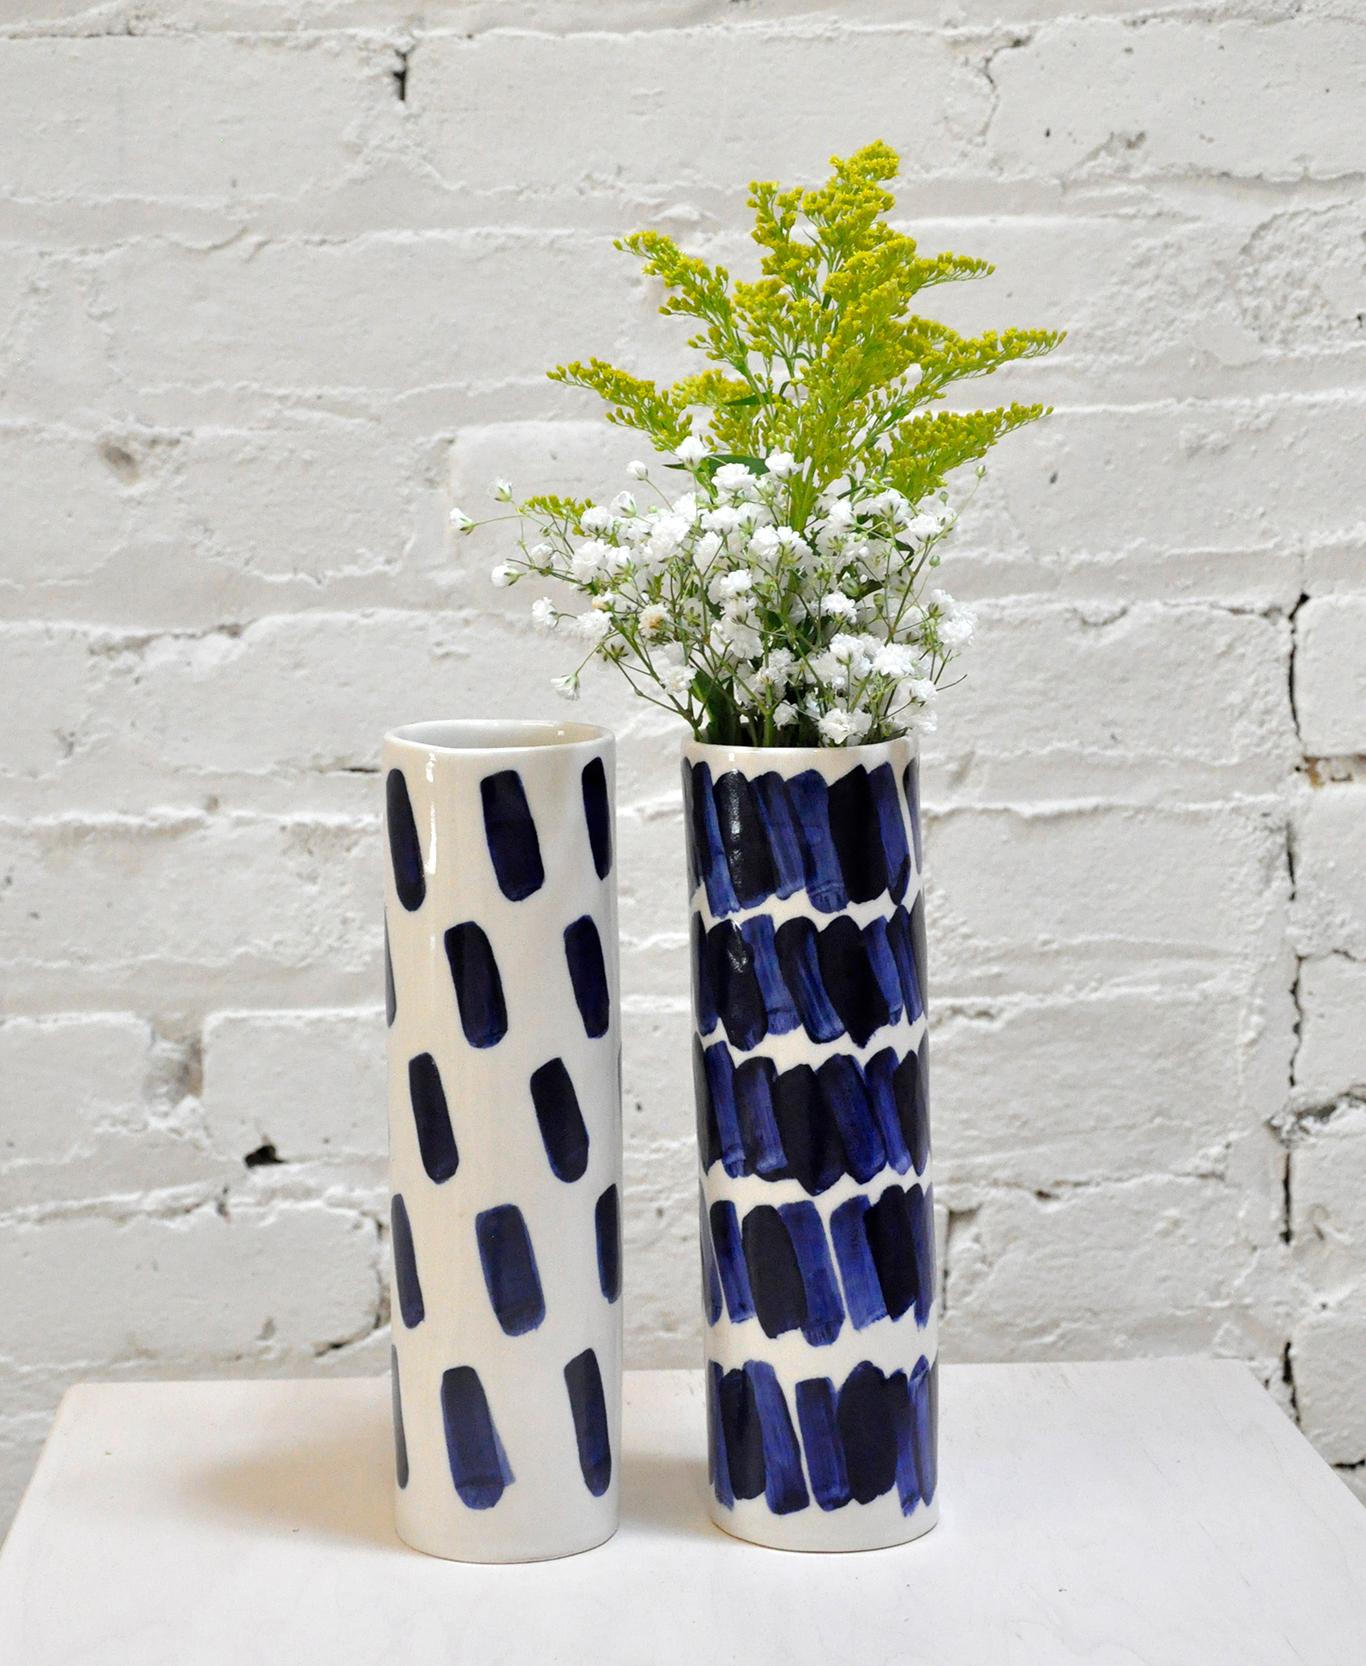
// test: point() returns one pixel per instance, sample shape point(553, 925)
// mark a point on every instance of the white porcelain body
point(811, 858)
point(523, 1476)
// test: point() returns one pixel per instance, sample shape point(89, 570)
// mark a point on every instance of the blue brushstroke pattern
point(892, 828)
point(849, 981)
point(597, 815)
point(742, 1445)
point(711, 1279)
point(742, 839)
point(910, 782)
point(862, 1291)
point(711, 857)
point(880, 1074)
point(824, 1309)
point(478, 988)
point(405, 852)
point(410, 1304)
point(867, 1413)
point(775, 1278)
point(720, 1077)
point(811, 809)
point(607, 1231)
point(891, 1244)
point(563, 1133)
point(718, 1469)
point(730, 1260)
point(857, 835)
point(689, 836)
point(779, 1008)
point(729, 969)
point(432, 1119)
point(509, 1263)
point(810, 1135)
point(910, 1084)
point(781, 830)
point(479, 1465)
point(762, 1147)
point(396, 1405)
point(882, 961)
point(390, 994)
point(796, 941)
point(821, 1442)
point(784, 1486)
point(583, 1379)
point(588, 974)
point(703, 996)
point(845, 1096)
point(921, 1210)
point(924, 1421)
point(899, 936)
point(510, 831)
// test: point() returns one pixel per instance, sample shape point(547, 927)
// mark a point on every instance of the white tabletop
point(1152, 1514)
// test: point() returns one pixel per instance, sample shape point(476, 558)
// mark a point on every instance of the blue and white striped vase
point(504, 1137)
point(817, 1216)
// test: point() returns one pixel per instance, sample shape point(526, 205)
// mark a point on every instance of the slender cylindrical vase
point(504, 1137)
point(817, 1218)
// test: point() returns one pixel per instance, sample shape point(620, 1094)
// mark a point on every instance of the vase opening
point(495, 735)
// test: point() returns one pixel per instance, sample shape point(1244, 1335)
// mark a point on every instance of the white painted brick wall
point(262, 320)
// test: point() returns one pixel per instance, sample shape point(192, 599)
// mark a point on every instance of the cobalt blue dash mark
point(882, 960)
point(910, 783)
point(741, 1448)
point(796, 941)
point(730, 1260)
point(711, 1279)
point(742, 839)
point(607, 1230)
point(763, 1149)
point(409, 1285)
point(583, 1379)
point(918, 943)
point(910, 1083)
point(711, 857)
point(400, 1439)
point(868, 1416)
point(432, 1119)
point(514, 848)
point(390, 994)
point(824, 879)
point(703, 996)
point(720, 1076)
point(718, 1470)
point(588, 974)
point(849, 981)
point(899, 936)
point(597, 814)
point(891, 1244)
point(478, 987)
point(821, 1440)
point(775, 1278)
point(689, 838)
point(880, 1075)
point(730, 975)
point(857, 835)
point(810, 1135)
point(862, 1289)
point(779, 1008)
point(923, 1390)
point(780, 829)
point(921, 1201)
point(509, 1263)
point(405, 852)
point(844, 1093)
point(824, 1309)
point(892, 829)
point(560, 1120)
point(479, 1465)
point(784, 1486)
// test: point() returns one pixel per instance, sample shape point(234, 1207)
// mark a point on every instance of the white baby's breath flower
point(566, 687)
point(653, 619)
point(733, 477)
point(595, 518)
point(593, 625)
point(637, 470)
point(677, 680)
point(784, 714)
point(461, 522)
point(835, 727)
point(691, 451)
point(836, 605)
point(781, 464)
point(894, 659)
point(624, 504)
point(543, 613)
point(503, 575)
point(501, 490)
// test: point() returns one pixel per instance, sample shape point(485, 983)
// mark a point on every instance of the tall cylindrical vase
point(504, 1137)
point(817, 1218)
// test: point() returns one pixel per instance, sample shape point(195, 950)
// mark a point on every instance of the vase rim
point(462, 736)
point(821, 756)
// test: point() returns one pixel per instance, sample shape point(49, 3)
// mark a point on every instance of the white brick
point(1331, 1059)
point(1074, 702)
point(190, 1287)
point(1330, 674)
point(1203, 96)
point(1329, 1359)
point(310, 1084)
point(1328, 1207)
point(1330, 871)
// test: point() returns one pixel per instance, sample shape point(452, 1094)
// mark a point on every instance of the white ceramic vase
point(817, 1218)
point(504, 1137)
